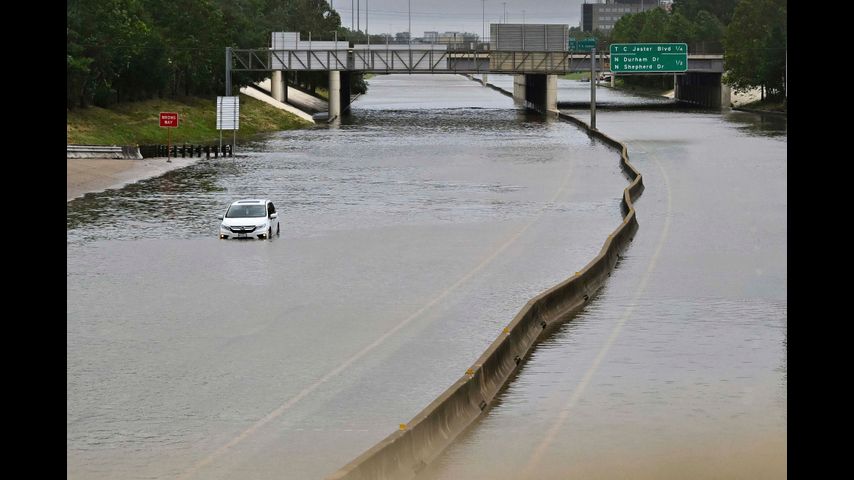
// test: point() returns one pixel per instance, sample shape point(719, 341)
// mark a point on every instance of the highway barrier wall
point(499, 90)
point(405, 452)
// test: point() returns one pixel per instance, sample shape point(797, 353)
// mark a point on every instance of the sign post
point(169, 120)
point(228, 117)
point(593, 88)
point(649, 57)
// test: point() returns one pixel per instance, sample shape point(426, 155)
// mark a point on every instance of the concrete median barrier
point(405, 452)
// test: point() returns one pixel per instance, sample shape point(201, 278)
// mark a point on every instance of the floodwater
point(576, 91)
point(411, 235)
point(678, 368)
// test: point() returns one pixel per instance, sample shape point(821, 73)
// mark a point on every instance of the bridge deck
point(431, 59)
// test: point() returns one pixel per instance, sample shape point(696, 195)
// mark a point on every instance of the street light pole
point(409, 40)
point(483, 24)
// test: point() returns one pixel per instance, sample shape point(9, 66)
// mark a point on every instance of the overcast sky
point(392, 16)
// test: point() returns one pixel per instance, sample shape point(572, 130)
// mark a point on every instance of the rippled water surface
point(411, 235)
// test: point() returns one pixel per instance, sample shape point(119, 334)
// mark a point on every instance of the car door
point(274, 222)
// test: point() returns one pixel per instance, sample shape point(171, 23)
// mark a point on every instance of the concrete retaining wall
point(252, 92)
point(403, 453)
point(499, 90)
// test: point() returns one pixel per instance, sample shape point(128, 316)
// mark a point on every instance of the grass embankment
point(322, 93)
point(138, 122)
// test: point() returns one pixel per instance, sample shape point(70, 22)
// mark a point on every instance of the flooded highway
point(678, 368)
point(576, 91)
point(410, 236)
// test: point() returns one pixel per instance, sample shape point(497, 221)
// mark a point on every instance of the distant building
point(450, 37)
point(457, 37)
point(603, 16)
point(402, 37)
point(431, 37)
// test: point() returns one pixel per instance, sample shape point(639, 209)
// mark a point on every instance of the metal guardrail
point(138, 152)
point(184, 150)
point(103, 151)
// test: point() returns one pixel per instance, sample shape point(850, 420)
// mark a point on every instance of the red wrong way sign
point(169, 119)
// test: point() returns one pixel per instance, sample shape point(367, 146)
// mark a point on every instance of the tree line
point(751, 34)
point(129, 50)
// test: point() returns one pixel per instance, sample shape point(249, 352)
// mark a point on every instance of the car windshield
point(243, 211)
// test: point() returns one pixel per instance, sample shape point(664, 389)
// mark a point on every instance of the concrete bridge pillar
point(334, 94)
point(536, 90)
point(540, 92)
point(276, 86)
point(519, 89)
point(485, 78)
point(726, 95)
point(551, 93)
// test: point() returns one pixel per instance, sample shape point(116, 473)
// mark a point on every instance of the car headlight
point(225, 227)
point(261, 226)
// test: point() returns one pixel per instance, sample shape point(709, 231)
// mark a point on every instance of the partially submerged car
point(249, 218)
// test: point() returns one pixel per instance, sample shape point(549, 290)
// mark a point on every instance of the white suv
point(250, 218)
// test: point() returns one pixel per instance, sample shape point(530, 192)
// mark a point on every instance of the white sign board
point(228, 113)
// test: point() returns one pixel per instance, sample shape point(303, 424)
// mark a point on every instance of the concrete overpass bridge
point(535, 64)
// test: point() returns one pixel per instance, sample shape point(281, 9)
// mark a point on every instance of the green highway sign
point(583, 44)
point(649, 57)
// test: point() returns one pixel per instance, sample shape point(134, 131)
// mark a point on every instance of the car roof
point(250, 201)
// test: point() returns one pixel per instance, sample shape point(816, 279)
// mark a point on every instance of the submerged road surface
point(678, 368)
point(410, 236)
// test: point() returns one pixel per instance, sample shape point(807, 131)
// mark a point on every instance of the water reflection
point(758, 124)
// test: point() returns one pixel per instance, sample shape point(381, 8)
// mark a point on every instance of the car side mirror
point(221, 217)
point(274, 215)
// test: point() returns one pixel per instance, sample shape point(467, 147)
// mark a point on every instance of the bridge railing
point(706, 48)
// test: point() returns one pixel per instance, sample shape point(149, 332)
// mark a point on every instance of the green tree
point(104, 38)
point(721, 9)
point(628, 28)
point(679, 29)
point(194, 35)
point(119, 50)
point(755, 43)
point(654, 25)
point(708, 27)
point(709, 32)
